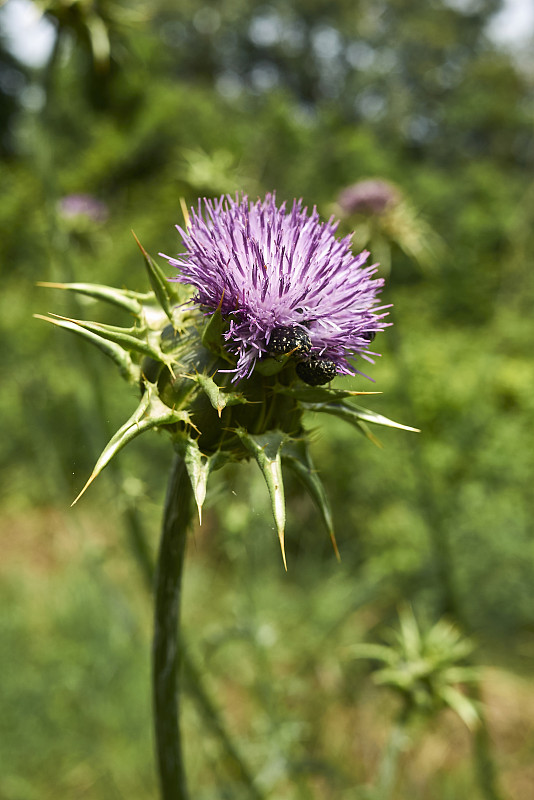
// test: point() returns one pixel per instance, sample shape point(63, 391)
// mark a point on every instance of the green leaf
point(130, 371)
point(266, 450)
point(365, 430)
point(355, 415)
point(128, 338)
point(199, 467)
point(317, 394)
point(98, 36)
point(296, 456)
point(410, 635)
point(218, 398)
point(166, 296)
point(212, 335)
point(464, 707)
point(366, 415)
point(122, 298)
point(150, 413)
point(461, 675)
point(212, 391)
point(375, 652)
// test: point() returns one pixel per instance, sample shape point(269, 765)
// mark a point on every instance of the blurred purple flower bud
point(83, 205)
point(368, 197)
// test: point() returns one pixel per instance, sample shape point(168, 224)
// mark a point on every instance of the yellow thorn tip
point(89, 482)
point(282, 547)
point(142, 249)
point(334, 545)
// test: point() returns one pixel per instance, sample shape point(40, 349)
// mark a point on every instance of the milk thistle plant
point(266, 305)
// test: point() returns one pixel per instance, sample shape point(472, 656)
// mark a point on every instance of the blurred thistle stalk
point(267, 308)
point(426, 667)
point(383, 218)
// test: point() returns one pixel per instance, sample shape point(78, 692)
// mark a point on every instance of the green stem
point(137, 541)
point(483, 755)
point(233, 761)
point(191, 673)
point(388, 771)
point(167, 641)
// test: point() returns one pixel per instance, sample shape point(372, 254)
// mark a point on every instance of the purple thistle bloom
point(267, 267)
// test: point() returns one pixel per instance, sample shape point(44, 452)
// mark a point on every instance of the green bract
point(176, 356)
point(427, 667)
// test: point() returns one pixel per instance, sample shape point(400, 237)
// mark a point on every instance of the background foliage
point(157, 101)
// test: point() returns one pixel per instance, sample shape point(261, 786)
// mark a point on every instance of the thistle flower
point(269, 269)
point(280, 305)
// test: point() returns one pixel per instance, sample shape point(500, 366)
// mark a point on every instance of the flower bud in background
point(81, 219)
point(83, 207)
point(373, 196)
point(381, 217)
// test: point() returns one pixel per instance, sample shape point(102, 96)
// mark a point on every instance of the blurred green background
point(138, 105)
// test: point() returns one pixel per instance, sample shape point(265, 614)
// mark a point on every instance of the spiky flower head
point(279, 305)
point(268, 268)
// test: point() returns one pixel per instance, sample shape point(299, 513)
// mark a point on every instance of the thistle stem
point(389, 767)
point(167, 640)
